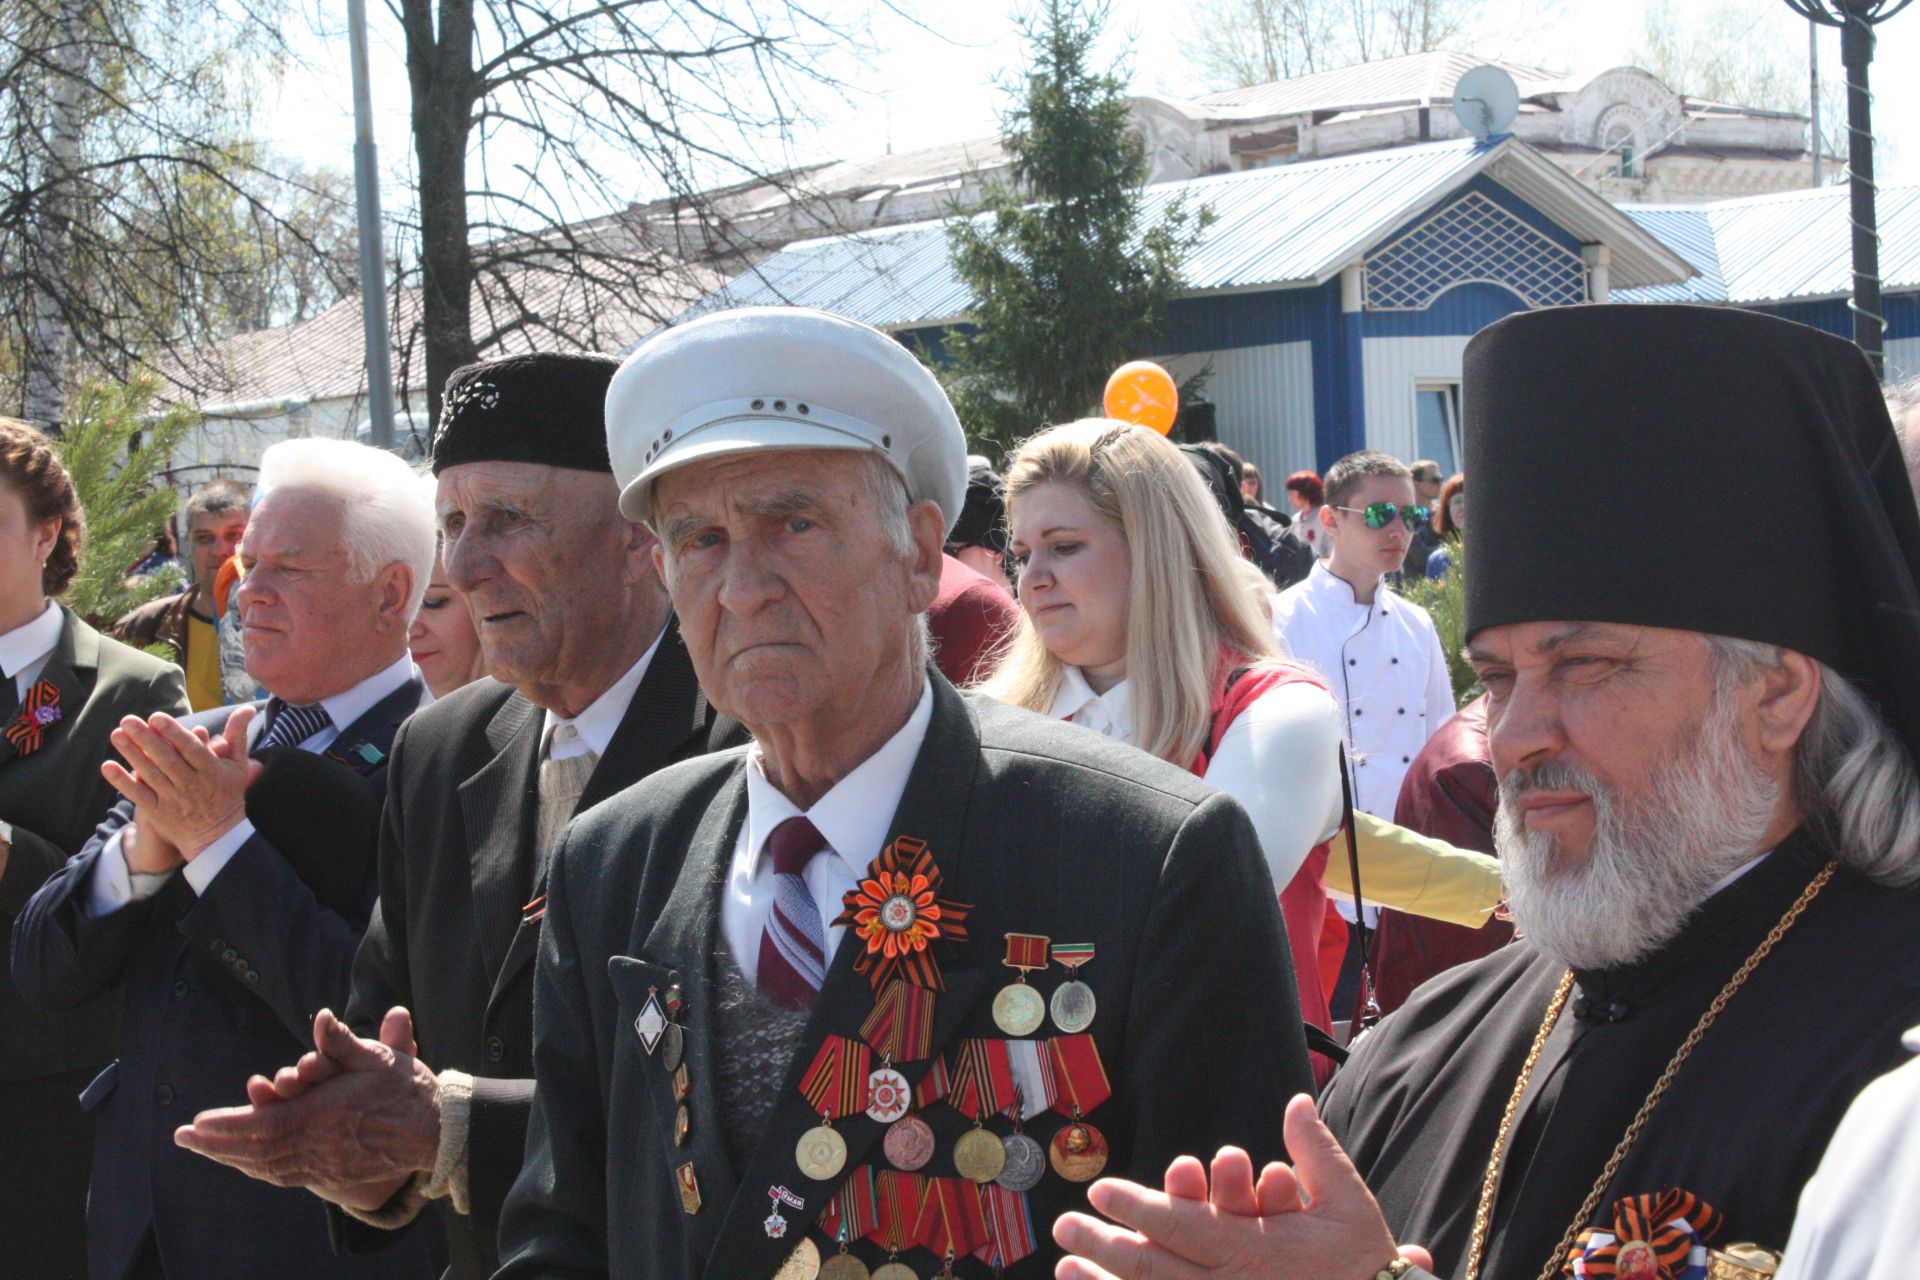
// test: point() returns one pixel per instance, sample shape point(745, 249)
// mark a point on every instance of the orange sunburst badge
point(897, 913)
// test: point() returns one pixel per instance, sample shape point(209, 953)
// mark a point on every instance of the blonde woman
point(1138, 621)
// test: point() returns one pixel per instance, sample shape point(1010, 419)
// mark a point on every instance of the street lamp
point(1856, 20)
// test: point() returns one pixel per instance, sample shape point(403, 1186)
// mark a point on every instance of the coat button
point(180, 989)
point(215, 946)
point(163, 1094)
point(252, 977)
point(496, 1048)
point(229, 955)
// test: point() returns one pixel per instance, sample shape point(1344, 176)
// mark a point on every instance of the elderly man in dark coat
point(1709, 824)
point(898, 980)
point(592, 692)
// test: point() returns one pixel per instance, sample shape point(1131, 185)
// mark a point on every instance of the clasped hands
point(188, 786)
point(1311, 1220)
point(352, 1121)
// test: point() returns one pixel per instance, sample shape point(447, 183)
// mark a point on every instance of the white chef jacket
point(1384, 663)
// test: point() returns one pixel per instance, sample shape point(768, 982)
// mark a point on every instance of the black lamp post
point(1856, 20)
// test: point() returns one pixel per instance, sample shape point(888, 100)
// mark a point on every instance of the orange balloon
point(1141, 391)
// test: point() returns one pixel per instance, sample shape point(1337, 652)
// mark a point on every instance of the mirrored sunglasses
point(1379, 515)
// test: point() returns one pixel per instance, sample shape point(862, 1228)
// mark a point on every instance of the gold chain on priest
point(1490, 1187)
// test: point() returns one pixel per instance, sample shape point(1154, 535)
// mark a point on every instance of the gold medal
point(821, 1153)
point(844, 1266)
point(802, 1264)
point(1078, 1153)
point(909, 1143)
point(1018, 1010)
point(682, 1126)
point(979, 1155)
point(895, 1271)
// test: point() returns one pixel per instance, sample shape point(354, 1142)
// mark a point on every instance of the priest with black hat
point(1709, 821)
point(591, 691)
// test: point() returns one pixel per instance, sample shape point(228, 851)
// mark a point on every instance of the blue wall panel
point(1902, 312)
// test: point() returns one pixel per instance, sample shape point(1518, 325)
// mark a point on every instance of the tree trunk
point(444, 84)
point(46, 394)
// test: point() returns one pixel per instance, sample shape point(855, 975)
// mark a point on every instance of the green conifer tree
point(1067, 277)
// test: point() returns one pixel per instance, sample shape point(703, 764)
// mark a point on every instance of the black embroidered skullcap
point(545, 407)
point(1699, 468)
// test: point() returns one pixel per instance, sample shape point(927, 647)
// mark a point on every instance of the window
point(1437, 419)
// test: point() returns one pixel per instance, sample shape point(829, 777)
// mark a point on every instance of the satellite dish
point(1485, 101)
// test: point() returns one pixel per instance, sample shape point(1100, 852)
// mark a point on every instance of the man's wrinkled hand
point(352, 1121)
point(188, 788)
point(1314, 1219)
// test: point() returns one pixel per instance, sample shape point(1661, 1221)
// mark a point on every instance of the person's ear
point(1329, 518)
point(1788, 697)
point(396, 593)
point(929, 528)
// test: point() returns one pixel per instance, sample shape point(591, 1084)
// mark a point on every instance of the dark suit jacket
point(1045, 828)
point(449, 938)
point(53, 796)
point(218, 987)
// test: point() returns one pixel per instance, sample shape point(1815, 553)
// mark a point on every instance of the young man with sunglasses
point(1380, 654)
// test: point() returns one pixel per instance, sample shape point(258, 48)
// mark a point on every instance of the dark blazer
point(218, 987)
point(1044, 828)
point(53, 796)
point(450, 938)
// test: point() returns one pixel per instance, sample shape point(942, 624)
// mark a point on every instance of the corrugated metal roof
point(1417, 78)
point(1796, 245)
point(1288, 225)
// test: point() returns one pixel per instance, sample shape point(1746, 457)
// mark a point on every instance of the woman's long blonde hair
point(1189, 601)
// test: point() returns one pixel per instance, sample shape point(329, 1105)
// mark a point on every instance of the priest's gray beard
point(1700, 816)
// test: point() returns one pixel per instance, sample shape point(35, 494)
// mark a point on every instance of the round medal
point(802, 1264)
point(844, 1266)
point(682, 1126)
point(1073, 1007)
point(895, 1271)
point(1026, 1163)
point(979, 1155)
point(821, 1153)
point(1078, 1153)
point(673, 1046)
point(1018, 1009)
point(909, 1143)
point(888, 1095)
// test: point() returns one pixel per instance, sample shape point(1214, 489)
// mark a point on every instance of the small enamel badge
point(776, 1224)
point(652, 1022)
point(689, 1188)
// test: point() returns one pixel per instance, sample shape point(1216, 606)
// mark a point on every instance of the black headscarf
point(1637, 464)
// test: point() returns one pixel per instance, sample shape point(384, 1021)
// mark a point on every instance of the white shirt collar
point(1109, 713)
point(25, 645)
point(857, 811)
point(344, 708)
point(594, 728)
point(1334, 587)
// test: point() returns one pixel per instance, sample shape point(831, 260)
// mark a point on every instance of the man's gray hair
point(1853, 778)
point(215, 496)
point(385, 515)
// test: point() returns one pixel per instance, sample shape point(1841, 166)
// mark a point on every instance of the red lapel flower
point(39, 712)
point(897, 913)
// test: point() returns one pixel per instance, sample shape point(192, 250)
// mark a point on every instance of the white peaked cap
point(763, 378)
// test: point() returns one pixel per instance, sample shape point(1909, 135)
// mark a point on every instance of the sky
point(934, 80)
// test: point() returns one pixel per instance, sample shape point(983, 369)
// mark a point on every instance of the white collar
point(1326, 582)
point(344, 708)
point(594, 728)
point(25, 645)
point(857, 811)
point(1108, 713)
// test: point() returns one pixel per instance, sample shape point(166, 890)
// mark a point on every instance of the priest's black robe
point(1743, 1124)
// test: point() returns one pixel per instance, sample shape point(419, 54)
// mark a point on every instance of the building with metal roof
point(1792, 255)
point(1329, 300)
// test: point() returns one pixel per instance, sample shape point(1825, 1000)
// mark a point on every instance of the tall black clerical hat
point(1698, 468)
point(544, 407)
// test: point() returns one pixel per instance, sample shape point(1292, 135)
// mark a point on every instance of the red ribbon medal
point(897, 1199)
point(1031, 1065)
point(897, 912)
point(1081, 1076)
point(1009, 1227)
point(39, 712)
point(952, 1223)
point(981, 1083)
point(900, 1027)
point(851, 1212)
point(835, 1085)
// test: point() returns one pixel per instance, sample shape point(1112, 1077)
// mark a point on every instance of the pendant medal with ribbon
point(1010, 1236)
point(1079, 1151)
point(1018, 1009)
point(1073, 1005)
point(897, 1198)
point(849, 1215)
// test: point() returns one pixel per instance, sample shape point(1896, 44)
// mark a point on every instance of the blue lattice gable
point(1478, 235)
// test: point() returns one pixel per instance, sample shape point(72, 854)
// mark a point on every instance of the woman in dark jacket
point(63, 688)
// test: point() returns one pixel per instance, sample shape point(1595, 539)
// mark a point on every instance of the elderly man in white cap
point(887, 988)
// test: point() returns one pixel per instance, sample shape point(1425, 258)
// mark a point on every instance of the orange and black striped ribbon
point(850, 1213)
point(1079, 1074)
point(934, 1085)
point(836, 1084)
point(982, 1083)
point(901, 1024)
point(39, 709)
point(897, 1197)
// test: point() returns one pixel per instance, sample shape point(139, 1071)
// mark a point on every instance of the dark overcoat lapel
point(72, 669)
point(493, 806)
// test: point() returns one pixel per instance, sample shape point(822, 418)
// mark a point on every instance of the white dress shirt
point(1384, 664)
point(25, 649)
point(594, 728)
point(854, 817)
point(114, 885)
point(1278, 759)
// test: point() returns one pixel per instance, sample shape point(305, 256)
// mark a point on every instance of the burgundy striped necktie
point(793, 950)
